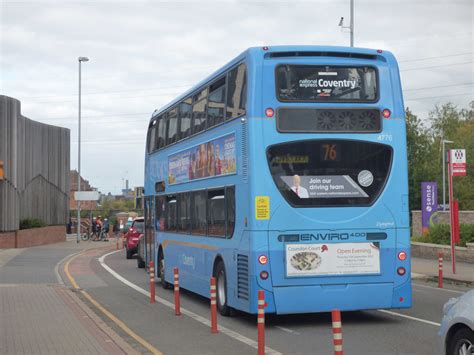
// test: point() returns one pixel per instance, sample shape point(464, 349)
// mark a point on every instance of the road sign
point(86, 195)
point(457, 160)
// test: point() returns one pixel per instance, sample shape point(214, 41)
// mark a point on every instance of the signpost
point(84, 196)
point(456, 167)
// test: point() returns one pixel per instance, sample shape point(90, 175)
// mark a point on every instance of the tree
point(419, 151)
point(424, 150)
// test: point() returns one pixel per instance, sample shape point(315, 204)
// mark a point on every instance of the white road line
point(409, 317)
point(184, 311)
point(437, 288)
point(56, 268)
point(287, 330)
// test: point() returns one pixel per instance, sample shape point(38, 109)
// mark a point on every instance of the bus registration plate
point(332, 259)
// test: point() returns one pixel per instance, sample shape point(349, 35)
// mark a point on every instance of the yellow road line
point(114, 319)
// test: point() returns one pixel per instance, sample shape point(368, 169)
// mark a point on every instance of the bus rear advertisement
point(284, 171)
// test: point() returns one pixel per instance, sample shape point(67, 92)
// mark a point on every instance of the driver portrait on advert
point(298, 189)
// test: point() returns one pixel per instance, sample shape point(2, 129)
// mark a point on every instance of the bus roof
point(259, 53)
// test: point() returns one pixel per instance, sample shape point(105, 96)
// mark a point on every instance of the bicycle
point(103, 235)
point(92, 236)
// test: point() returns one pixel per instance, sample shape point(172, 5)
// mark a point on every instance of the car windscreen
point(310, 83)
point(138, 226)
point(332, 172)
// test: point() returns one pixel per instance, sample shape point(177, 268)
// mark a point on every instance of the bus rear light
point(402, 256)
point(264, 275)
point(269, 112)
point(262, 259)
point(401, 299)
point(401, 271)
point(386, 113)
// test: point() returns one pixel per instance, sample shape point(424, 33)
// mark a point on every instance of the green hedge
point(29, 223)
point(440, 234)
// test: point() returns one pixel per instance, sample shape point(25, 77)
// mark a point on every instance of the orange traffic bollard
point(213, 306)
point(152, 282)
point(261, 322)
point(337, 332)
point(440, 269)
point(177, 305)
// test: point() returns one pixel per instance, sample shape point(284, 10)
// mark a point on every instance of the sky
point(145, 53)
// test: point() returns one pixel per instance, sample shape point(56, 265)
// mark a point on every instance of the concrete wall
point(33, 237)
point(442, 217)
point(36, 165)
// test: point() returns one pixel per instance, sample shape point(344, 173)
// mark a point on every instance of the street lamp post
point(351, 24)
point(444, 173)
point(80, 60)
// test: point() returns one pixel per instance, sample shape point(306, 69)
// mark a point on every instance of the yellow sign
point(262, 207)
point(292, 159)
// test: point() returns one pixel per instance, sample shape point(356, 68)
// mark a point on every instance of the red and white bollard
point(440, 269)
point(337, 332)
point(261, 322)
point(213, 306)
point(152, 282)
point(177, 304)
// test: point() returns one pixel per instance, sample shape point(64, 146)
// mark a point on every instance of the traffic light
point(2, 173)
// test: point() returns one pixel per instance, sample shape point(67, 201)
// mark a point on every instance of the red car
point(133, 236)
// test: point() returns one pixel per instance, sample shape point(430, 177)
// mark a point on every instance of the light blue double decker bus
point(284, 171)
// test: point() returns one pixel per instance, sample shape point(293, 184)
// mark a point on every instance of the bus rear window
point(333, 172)
point(309, 83)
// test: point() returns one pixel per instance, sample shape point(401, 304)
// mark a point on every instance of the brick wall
point(442, 217)
point(33, 237)
point(7, 240)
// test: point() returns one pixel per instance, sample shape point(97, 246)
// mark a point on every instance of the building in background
point(127, 192)
point(85, 186)
point(139, 201)
point(35, 174)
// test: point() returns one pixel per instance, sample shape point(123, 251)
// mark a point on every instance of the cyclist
point(106, 229)
point(98, 226)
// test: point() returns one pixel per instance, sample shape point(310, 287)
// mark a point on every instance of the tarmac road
point(367, 332)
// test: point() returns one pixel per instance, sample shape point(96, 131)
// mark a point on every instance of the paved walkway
point(39, 315)
point(425, 267)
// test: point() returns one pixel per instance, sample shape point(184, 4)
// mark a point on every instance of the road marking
point(440, 289)
point(196, 317)
point(117, 321)
point(409, 317)
point(287, 330)
point(56, 268)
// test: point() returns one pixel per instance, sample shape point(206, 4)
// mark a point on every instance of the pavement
point(41, 315)
point(428, 269)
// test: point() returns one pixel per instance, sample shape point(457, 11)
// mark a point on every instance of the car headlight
point(448, 305)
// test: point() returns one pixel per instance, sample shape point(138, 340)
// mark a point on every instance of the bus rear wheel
point(161, 271)
point(221, 281)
